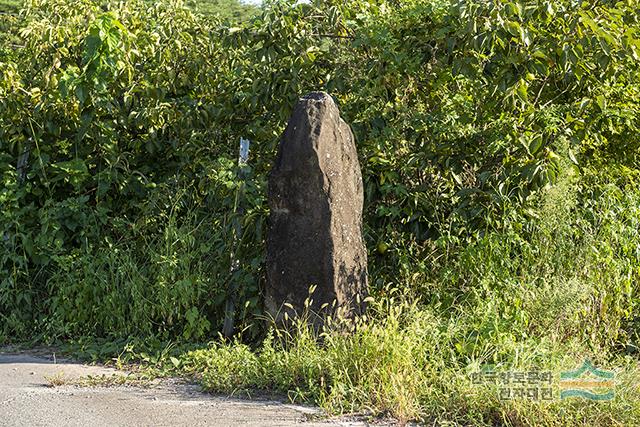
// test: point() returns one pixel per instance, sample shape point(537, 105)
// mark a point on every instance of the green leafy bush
point(488, 132)
point(500, 154)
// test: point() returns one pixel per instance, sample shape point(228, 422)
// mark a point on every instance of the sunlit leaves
point(462, 111)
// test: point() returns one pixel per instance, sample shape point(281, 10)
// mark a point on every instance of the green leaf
point(514, 28)
point(572, 157)
point(176, 362)
point(535, 144)
point(521, 90)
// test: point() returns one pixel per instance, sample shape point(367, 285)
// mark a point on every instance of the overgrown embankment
point(500, 153)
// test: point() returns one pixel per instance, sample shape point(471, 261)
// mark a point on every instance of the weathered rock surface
point(316, 199)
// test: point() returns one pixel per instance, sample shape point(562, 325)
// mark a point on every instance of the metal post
point(238, 209)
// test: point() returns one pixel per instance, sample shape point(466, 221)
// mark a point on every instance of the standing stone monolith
point(315, 226)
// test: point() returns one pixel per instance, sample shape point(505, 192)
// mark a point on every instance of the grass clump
point(406, 361)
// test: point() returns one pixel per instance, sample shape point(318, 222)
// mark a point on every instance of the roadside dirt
point(27, 398)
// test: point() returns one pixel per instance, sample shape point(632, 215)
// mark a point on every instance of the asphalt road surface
point(27, 398)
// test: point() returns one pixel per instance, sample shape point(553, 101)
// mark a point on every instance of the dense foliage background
point(499, 142)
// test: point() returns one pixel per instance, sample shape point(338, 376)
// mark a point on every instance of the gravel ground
point(28, 399)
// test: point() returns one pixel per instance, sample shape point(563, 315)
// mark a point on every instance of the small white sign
point(244, 151)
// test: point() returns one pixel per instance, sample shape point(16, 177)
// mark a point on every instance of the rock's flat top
point(26, 399)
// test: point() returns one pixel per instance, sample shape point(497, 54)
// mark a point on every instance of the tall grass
point(406, 361)
point(10, 5)
point(167, 274)
point(153, 281)
point(544, 298)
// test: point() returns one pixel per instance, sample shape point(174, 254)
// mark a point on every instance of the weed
point(57, 380)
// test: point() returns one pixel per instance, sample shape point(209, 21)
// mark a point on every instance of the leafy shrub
point(486, 131)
